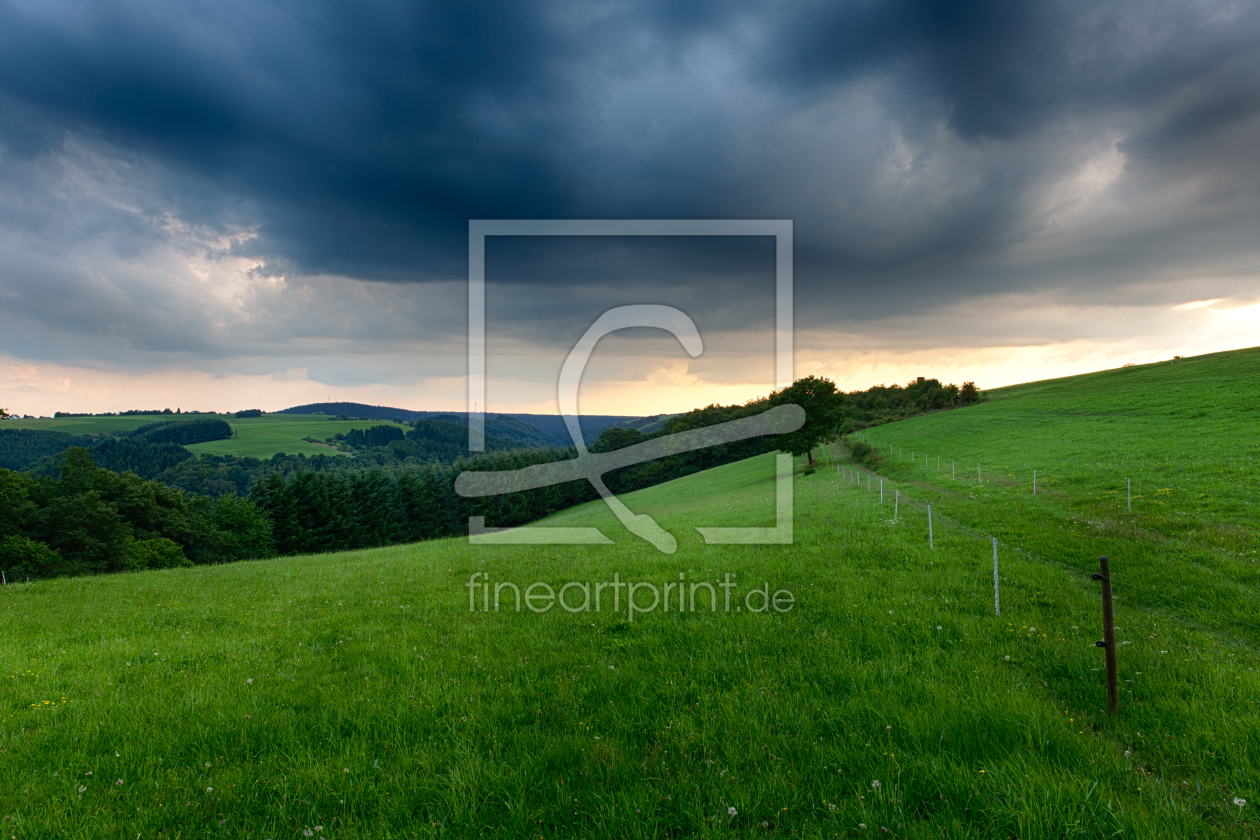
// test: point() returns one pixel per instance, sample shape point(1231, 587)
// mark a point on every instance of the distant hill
point(647, 425)
point(551, 425)
point(503, 426)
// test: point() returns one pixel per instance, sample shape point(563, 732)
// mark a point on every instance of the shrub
point(20, 556)
point(157, 553)
point(860, 452)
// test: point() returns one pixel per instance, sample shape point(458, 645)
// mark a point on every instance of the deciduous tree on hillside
point(823, 406)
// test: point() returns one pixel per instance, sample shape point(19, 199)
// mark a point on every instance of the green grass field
point(262, 437)
point(357, 696)
point(104, 425)
point(258, 437)
point(1186, 434)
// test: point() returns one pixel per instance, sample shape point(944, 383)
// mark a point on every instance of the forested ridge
point(141, 500)
point(19, 448)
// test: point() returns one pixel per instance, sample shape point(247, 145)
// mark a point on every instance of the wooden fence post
point(1108, 643)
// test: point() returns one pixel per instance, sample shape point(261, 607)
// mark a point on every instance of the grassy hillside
point(1186, 433)
point(357, 696)
point(105, 425)
point(258, 437)
point(262, 437)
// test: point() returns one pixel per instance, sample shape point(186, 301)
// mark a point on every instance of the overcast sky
point(224, 205)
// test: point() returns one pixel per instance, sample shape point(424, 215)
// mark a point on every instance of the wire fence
point(904, 497)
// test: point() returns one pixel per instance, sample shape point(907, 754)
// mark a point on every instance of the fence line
point(953, 473)
point(1069, 567)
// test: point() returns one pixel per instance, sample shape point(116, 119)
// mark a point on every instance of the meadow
point(1180, 437)
point(256, 437)
point(262, 437)
point(372, 694)
point(103, 425)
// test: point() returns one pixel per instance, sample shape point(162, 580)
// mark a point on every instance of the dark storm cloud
point(908, 139)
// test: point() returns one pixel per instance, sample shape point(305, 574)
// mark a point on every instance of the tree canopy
point(824, 412)
point(88, 520)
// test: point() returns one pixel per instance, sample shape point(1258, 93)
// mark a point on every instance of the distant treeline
point(85, 519)
point(346, 509)
point(343, 509)
point(156, 451)
point(887, 403)
point(451, 430)
point(440, 441)
point(135, 412)
point(147, 451)
point(73, 513)
point(551, 426)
